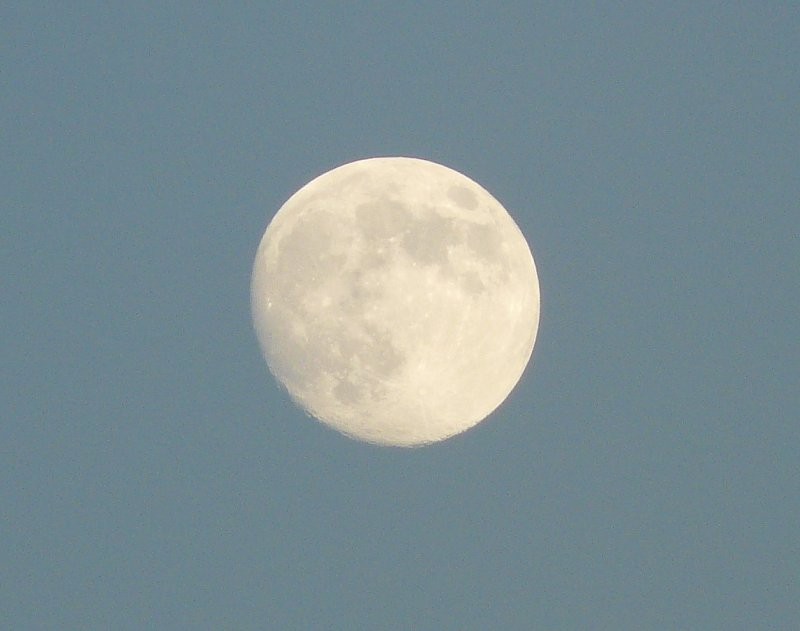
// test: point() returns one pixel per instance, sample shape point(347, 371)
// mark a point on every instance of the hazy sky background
point(643, 475)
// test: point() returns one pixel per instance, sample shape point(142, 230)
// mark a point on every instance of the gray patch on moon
point(463, 197)
point(308, 342)
point(374, 358)
point(382, 219)
point(375, 258)
point(428, 239)
point(357, 355)
point(347, 392)
point(288, 353)
point(472, 283)
point(305, 257)
point(485, 242)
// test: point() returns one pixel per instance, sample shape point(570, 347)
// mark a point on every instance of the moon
point(396, 300)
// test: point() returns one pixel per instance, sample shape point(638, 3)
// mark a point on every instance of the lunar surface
point(396, 300)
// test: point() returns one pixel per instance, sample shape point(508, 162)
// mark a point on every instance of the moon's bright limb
point(396, 300)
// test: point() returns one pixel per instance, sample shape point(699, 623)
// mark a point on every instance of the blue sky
point(644, 473)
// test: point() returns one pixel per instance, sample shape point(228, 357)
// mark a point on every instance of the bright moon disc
point(396, 300)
